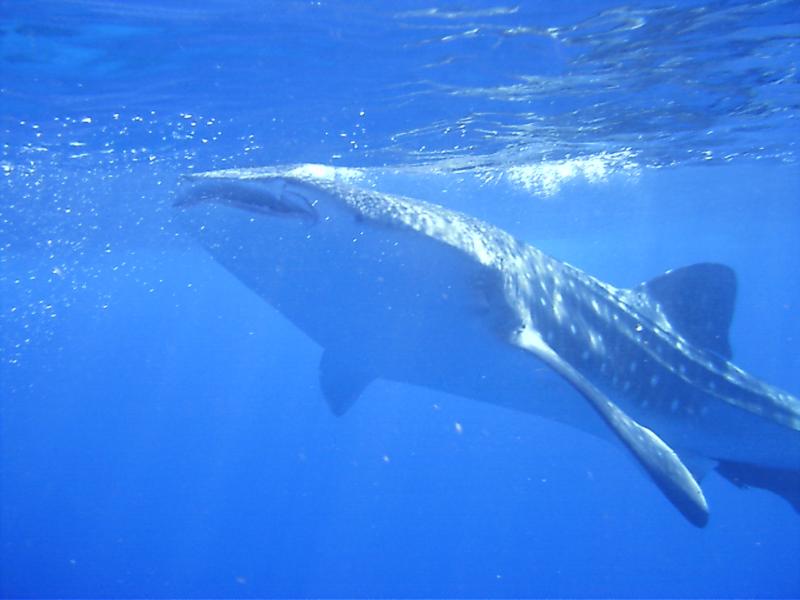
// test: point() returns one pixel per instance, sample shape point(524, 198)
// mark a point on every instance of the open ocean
point(163, 432)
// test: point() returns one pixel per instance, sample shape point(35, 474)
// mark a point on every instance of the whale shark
point(406, 290)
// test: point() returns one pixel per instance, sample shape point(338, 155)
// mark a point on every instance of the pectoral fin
point(342, 381)
point(659, 460)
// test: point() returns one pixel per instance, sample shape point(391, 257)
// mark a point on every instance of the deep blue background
point(163, 430)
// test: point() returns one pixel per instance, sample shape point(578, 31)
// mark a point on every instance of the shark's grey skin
point(406, 290)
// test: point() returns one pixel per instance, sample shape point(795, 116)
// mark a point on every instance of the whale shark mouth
point(269, 198)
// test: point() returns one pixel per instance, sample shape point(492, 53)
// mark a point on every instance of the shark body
point(410, 291)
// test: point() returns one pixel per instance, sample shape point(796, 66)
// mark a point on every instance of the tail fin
point(784, 482)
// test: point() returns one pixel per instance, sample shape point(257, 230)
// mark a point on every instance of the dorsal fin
point(698, 301)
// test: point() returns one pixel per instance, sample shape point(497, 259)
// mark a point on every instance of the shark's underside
point(406, 290)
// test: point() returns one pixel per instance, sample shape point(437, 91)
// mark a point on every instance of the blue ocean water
point(163, 430)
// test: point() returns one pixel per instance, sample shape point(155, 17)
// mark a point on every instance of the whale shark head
point(267, 195)
point(307, 243)
point(273, 198)
point(323, 199)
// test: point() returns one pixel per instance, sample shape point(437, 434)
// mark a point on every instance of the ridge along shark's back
point(407, 290)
